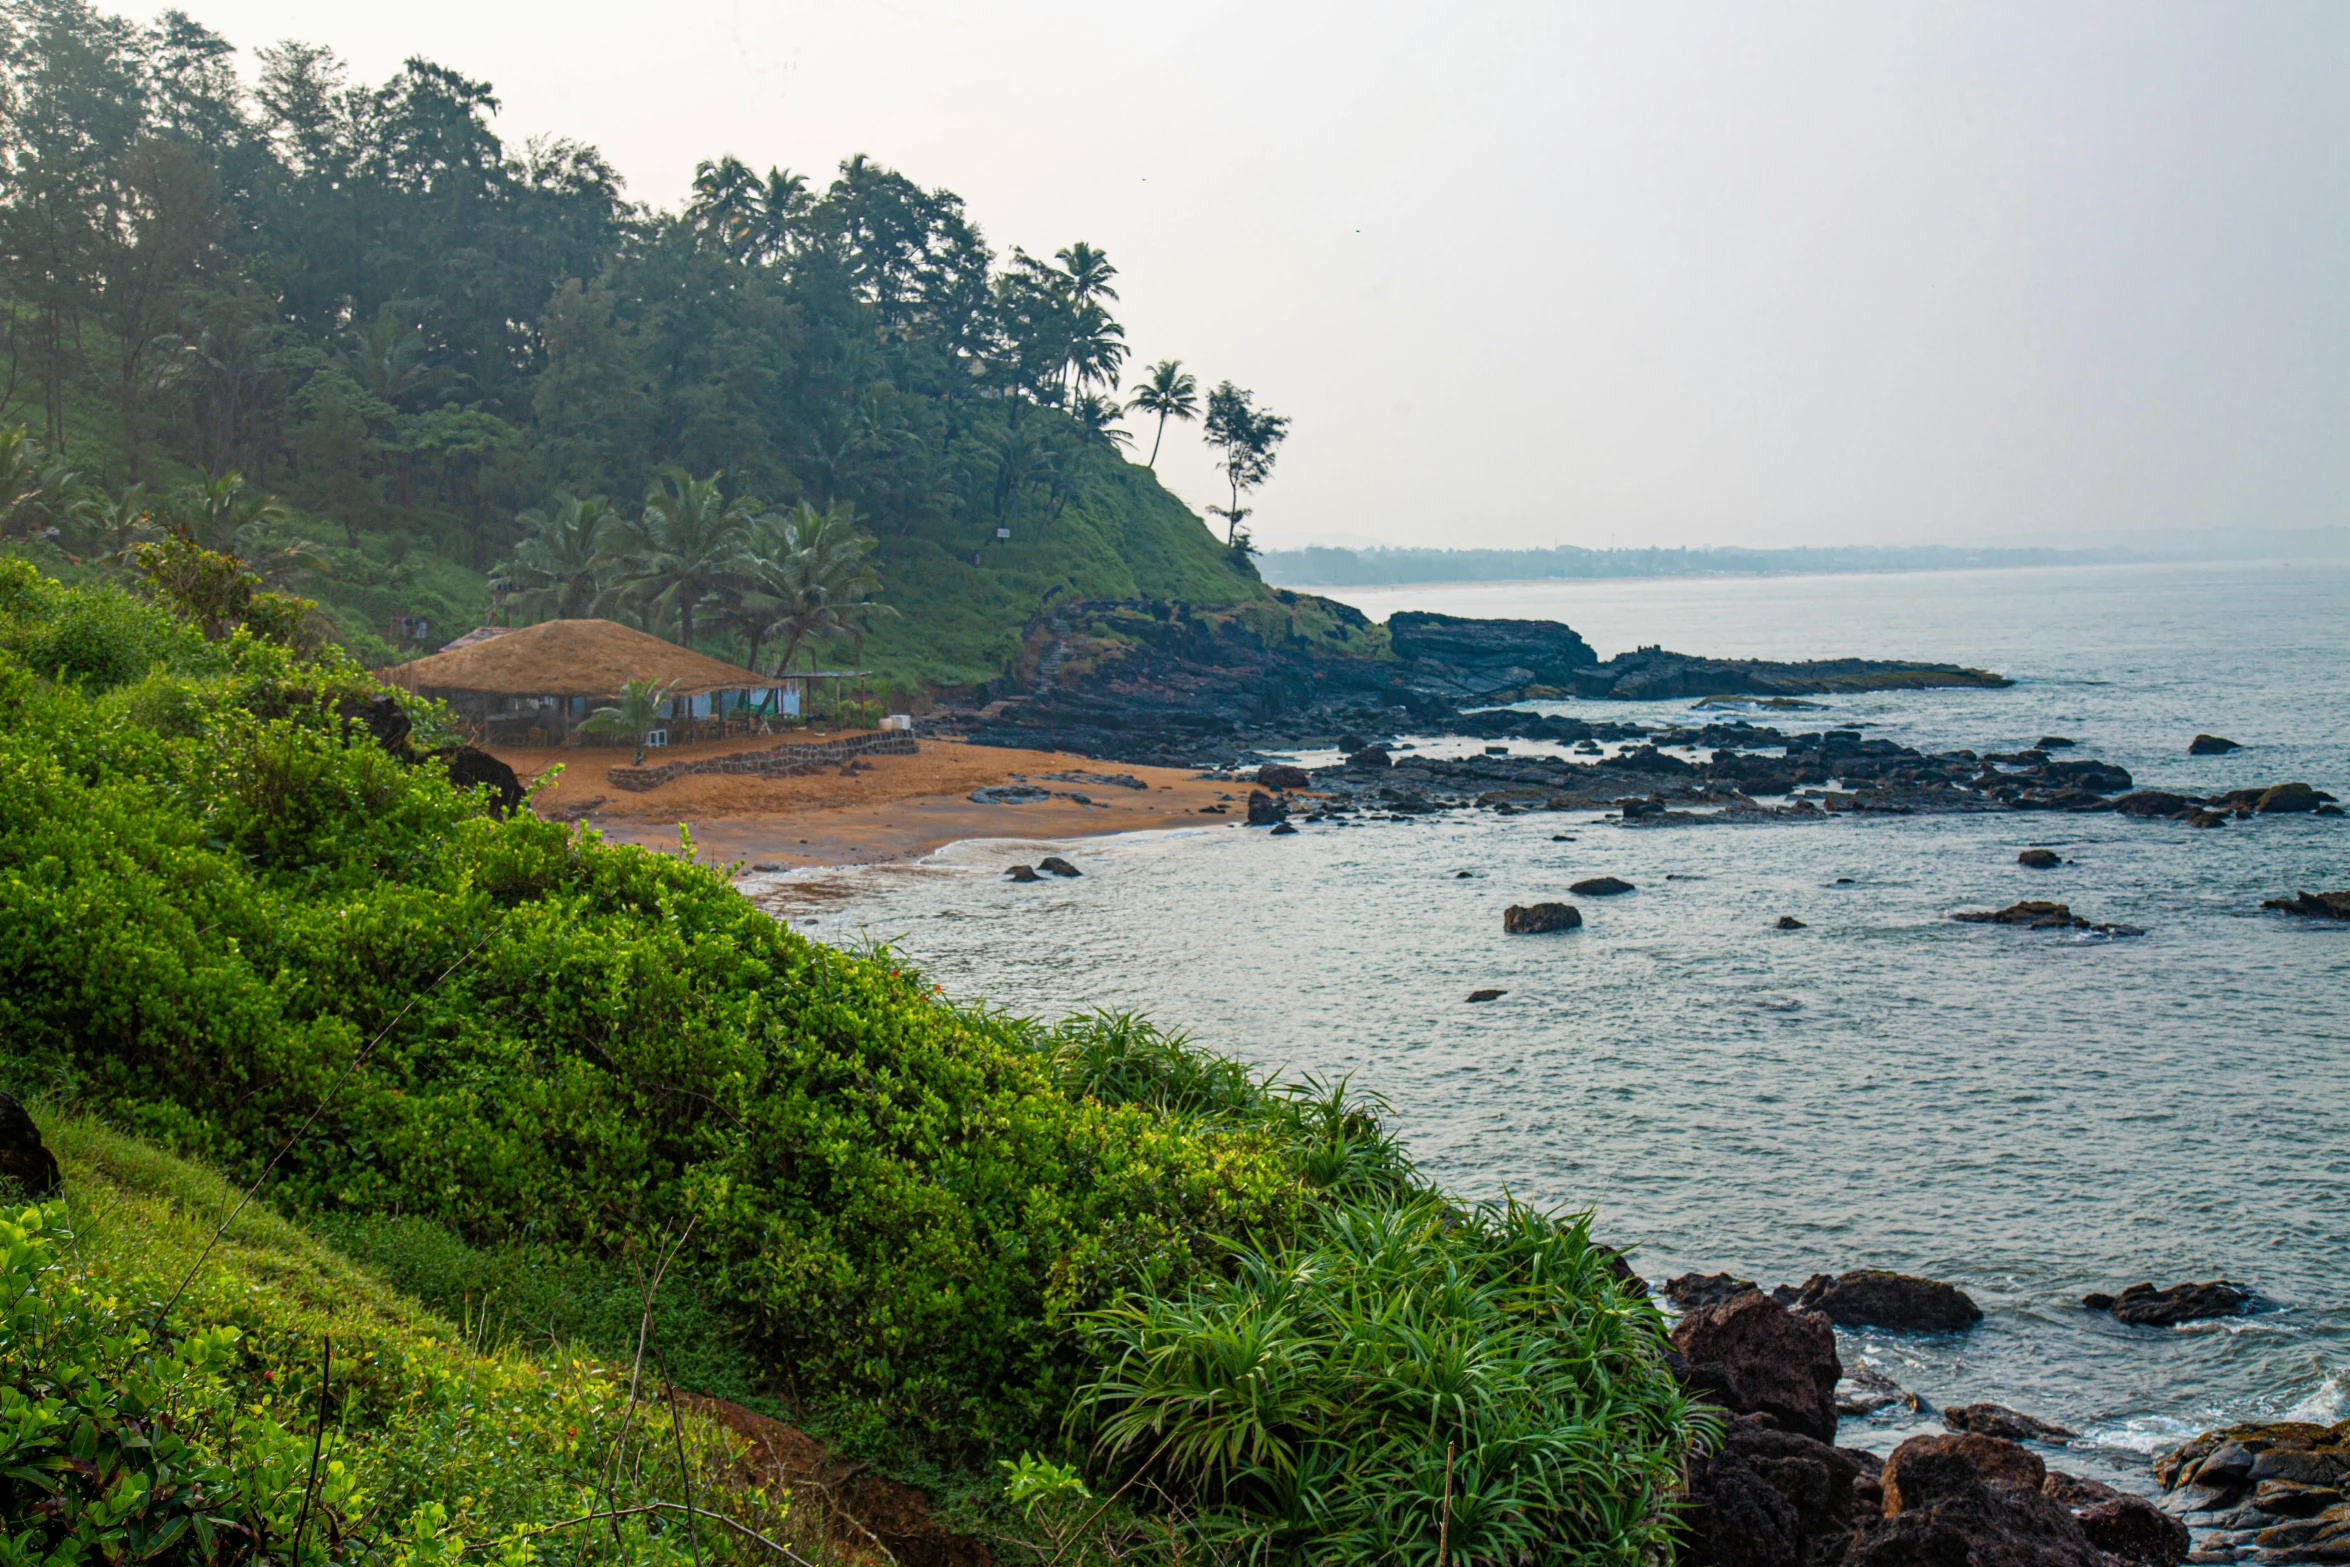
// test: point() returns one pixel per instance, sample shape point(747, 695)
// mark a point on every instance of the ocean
point(2029, 1115)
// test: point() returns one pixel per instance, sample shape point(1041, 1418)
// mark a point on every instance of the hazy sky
point(1558, 273)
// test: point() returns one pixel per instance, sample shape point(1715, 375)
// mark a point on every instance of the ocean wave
point(2331, 1402)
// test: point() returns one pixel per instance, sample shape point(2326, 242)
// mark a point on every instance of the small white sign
point(1003, 533)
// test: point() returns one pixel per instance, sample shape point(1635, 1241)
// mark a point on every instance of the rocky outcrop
point(2040, 859)
point(1054, 865)
point(472, 768)
point(1276, 775)
point(2035, 915)
point(1998, 1420)
point(2314, 905)
point(2271, 1492)
point(1913, 1472)
point(24, 1158)
point(2211, 745)
point(1540, 919)
point(2290, 798)
point(1600, 887)
point(1970, 1501)
point(1752, 1355)
point(1767, 1497)
point(1651, 673)
point(1476, 657)
point(2135, 1530)
point(1696, 1291)
point(1880, 1298)
point(2147, 1307)
point(1487, 995)
point(1023, 873)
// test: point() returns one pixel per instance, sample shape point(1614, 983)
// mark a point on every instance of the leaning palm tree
point(808, 575)
point(1171, 393)
point(562, 566)
point(683, 550)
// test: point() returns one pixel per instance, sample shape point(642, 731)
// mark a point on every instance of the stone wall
point(783, 761)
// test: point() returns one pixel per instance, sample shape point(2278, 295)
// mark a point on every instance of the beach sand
point(891, 808)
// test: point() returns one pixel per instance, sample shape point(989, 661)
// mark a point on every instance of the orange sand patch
point(892, 807)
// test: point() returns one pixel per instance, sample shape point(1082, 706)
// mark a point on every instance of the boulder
point(2054, 743)
point(2211, 745)
point(2290, 797)
point(1351, 742)
point(1696, 1291)
point(2154, 802)
point(24, 1158)
point(2314, 905)
point(1963, 1502)
point(2030, 914)
point(1790, 922)
point(1023, 873)
point(1600, 887)
point(2000, 1421)
point(1539, 919)
point(1275, 775)
point(1283, 830)
point(2076, 1491)
point(2040, 859)
point(385, 720)
point(1880, 1298)
point(1487, 995)
point(1758, 1357)
point(2148, 1307)
point(1262, 812)
point(2135, 1530)
point(1917, 1469)
point(1373, 756)
point(1053, 864)
point(2236, 1477)
point(472, 768)
point(1865, 1390)
point(1771, 1498)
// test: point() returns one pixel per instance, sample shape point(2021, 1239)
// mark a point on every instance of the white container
point(903, 721)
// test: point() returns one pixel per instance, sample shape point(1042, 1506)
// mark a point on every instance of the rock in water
point(1790, 922)
point(2284, 1480)
point(2000, 1421)
point(1262, 812)
point(2054, 743)
point(2148, 1307)
point(1275, 775)
point(2040, 859)
point(2135, 1530)
point(24, 1158)
point(2211, 745)
point(2290, 797)
point(1023, 873)
point(1057, 866)
point(1600, 887)
point(1696, 1291)
point(1757, 1357)
point(1373, 756)
point(2076, 1491)
point(1539, 919)
point(1865, 1390)
point(2314, 905)
point(2030, 914)
point(1951, 1501)
point(1282, 830)
point(1487, 995)
point(1877, 1297)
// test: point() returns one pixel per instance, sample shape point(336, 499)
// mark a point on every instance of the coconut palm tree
point(1094, 413)
point(638, 710)
point(682, 551)
point(37, 494)
point(564, 564)
point(1170, 392)
point(113, 528)
point(805, 574)
point(221, 515)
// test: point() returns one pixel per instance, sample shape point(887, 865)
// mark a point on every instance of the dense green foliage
point(364, 302)
point(502, 1058)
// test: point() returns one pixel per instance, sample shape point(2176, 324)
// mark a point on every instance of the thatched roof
point(593, 658)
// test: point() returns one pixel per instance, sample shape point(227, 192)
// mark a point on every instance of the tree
point(219, 514)
point(805, 574)
point(1169, 392)
point(112, 529)
point(1249, 439)
point(564, 563)
point(638, 711)
point(36, 493)
point(1094, 414)
point(683, 549)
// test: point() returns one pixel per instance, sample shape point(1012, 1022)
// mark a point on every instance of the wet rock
point(2075, 1491)
point(1600, 887)
point(2135, 1530)
point(2000, 1421)
point(1373, 756)
point(1878, 1297)
point(1918, 1467)
point(1350, 742)
point(1475, 655)
point(2293, 1499)
point(2314, 905)
point(1771, 1498)
point(2290, 797)
point(1760, 1358)
point(1865, 1390)
point(1282, 830)
point(1790, 922)
point(1023, 873)
point(1696, 1291)
point(1008, 794)
point(2146, 1306)
point(1274, 775)
point(2040, 859)
point(2159, 803)
point(1262, 811)
point(24, 1158)
point(2226, 1463)
point(2206, 818)
point(2030, 914)
point(1538, 919)
point(2054, 743)
point(1054, 865)
point(1487, 995)
point(1956, 1501)
point(2211, 745)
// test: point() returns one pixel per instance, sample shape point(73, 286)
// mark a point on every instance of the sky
point(1598, 274)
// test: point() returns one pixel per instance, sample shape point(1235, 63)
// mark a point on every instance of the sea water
point(2031, 1115)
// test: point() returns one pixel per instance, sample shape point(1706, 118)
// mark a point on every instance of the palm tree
point(683, 550)
point(566, 561)
point(638, 710)
point(35, 493)
point(1171, 393)
point(114, 528)
point(219, 515)
point(1093, 413)
point(1249, 438)
point(806, 575)
point(1089, 273)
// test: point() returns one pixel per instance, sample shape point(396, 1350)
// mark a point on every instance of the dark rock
point(2135, 1530)
point(2054, 743)
point(1696, 1291)
point(1651, 674)
point(2075, 1490)
point(1950, 1513)
point(2040, 859)
point(1634, 810)
point(1790, 922)
point(764, 867)
point(1865, 1390)
point(1055, 865)
point(24, 1158)
point(384, 719)
point(1920, 1468)
point(1350, 743)
point(2030, 914)
point(2290, 797)
point(2001, 1421)
point(1370, 756)
point(1262, 811)
point(1023, 873)
point(2327, 809)
point(1877, 1297)
point(1764, 1359)
point(1488, 655)
point(1282, 830)
point(2314, 905)
point(1771, 1498)
point(2211, 745)
point(471, 768)
point(2156, 803)
point(1487, 995)
point(2147, 1306)
point(1600, 887)
point(1540, 918)
point(1274, 775)
point(2206, 818)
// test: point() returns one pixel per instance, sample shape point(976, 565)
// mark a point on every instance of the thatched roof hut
point(571, 658)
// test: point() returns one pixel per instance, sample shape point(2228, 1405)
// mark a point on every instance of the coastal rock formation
point(2034, 915)
point(1651, 673)
point(1912, 1473)
point(24, 1158)
point(1276, 775)
point(2146, 1306)
point(2076, 1491)
point(2000, 1421)
point(1864, 1390)
point(2290, 797)
point(1772, 1498)
point(2211, 745)
point(1880, 1298)
point(1958, 1501)
point(2135, 1530)
point(1053, 864)
point(1370, 756)
point(2314, 905)
point(1600, 887)
point(1476, 657)
point(1023, 873)
point(1754, 1356)
point(2040, 859)
point(1538, 919)
point(1283, 830)
point(1696, 1291)
point(2273, 1492)
point(1262, 811)
point(1487, 995)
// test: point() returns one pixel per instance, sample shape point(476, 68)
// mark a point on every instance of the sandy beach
point(887, 808)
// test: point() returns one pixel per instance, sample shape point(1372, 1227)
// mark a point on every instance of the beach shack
point(535, 685)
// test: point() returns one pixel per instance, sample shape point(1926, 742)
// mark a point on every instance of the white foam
point(2331, 1402)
